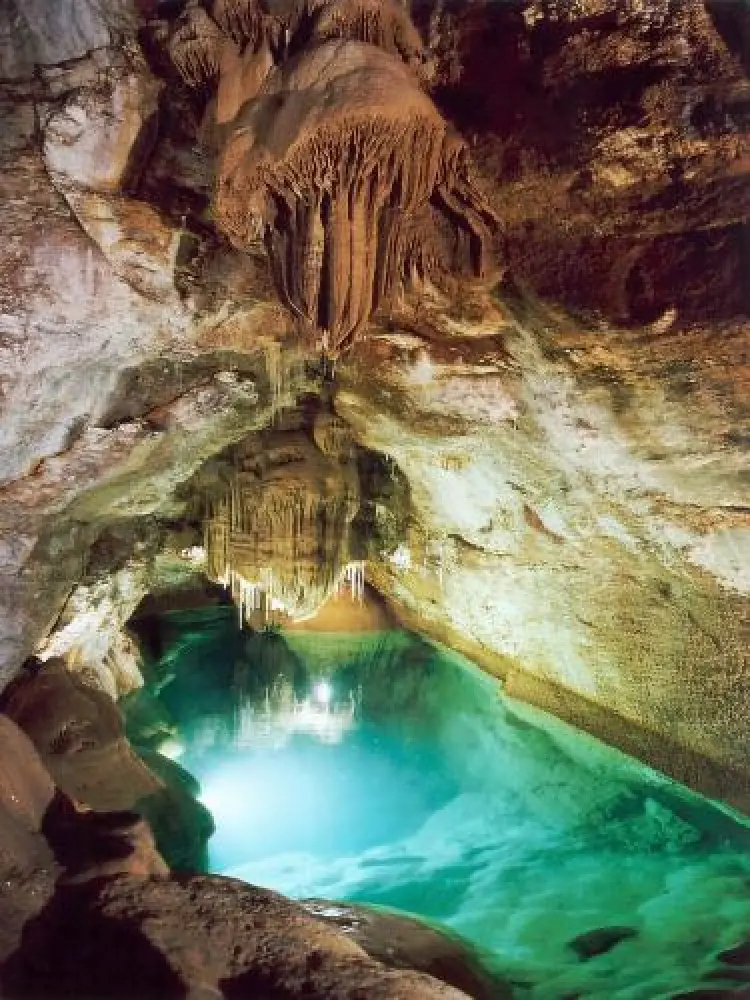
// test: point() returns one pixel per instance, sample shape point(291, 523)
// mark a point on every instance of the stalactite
point(332, 157)
point(459, 194)
point(353, 576)
point(284, 366)
point(195, 46)
point(275, 370)
point(279, 543)
point(385, 23)
point(242, 20)
point(330, 174)
point(333, 435)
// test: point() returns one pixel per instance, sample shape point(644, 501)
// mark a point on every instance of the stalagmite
point(340, 148)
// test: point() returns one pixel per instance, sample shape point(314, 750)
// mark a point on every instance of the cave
point(375, 534)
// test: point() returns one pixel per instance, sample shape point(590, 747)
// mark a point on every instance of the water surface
point(377, 768)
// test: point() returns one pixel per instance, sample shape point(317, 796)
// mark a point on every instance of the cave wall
point(575, 520)
point(615, 135)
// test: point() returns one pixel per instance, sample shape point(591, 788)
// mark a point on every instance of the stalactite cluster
point(279, 539)
point(335, 156)
point(333, 436)
point(242, 20)
point(195, 46)
point(384, 23)
point(333, 180)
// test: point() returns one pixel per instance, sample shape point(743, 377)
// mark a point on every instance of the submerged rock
point(713, 994)
point(739, 955)
point(600, 941)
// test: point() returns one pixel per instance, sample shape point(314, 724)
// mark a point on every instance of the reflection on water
point(374, 768)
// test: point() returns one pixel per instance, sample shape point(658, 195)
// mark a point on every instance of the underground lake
point(378, 767)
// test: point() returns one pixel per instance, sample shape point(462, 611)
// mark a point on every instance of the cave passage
point(377, 768)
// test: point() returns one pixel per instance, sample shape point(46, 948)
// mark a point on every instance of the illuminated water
point(378, 769)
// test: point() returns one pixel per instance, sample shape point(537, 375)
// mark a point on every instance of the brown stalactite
point(242, 20)
point(383, 23)
point(280, 540)
point(334, 158)
point(195, 46)
point(339, 147)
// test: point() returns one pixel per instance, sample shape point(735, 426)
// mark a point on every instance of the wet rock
point(45, 837)
point(79, 734)
point(402, 942)
point(90, 845)
point(599, 941)
point(26, 789)
point(27, 864)
point(202, 936)
point(722, 977)
point(738, 955)
point(116, 925)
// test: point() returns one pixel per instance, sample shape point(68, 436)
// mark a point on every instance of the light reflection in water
point(402, 777)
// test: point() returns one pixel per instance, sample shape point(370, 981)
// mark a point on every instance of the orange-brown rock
point(26, 788)
point(43, 836)
point(195, 45)
point(78, 733)
point(87, 910)
point(385, 23)
point(616, 138)
point(206, 937)
point(338, 151)
point(402, 942)
point(241, 20)
point(27, 863)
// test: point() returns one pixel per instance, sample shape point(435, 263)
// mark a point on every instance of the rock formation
point(195, 45)
point(78, 733)
point(334, 157)
point(26, 787)
point(386, 24)
point(339, 151)
point(278, 538)
point(207, 936)
point(132, 354)
point(244, 21)
point(615, 132)
point(44, 837)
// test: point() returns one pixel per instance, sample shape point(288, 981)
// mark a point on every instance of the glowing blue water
point(421, 787)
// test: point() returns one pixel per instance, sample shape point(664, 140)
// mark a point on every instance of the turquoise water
point(377, 768)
